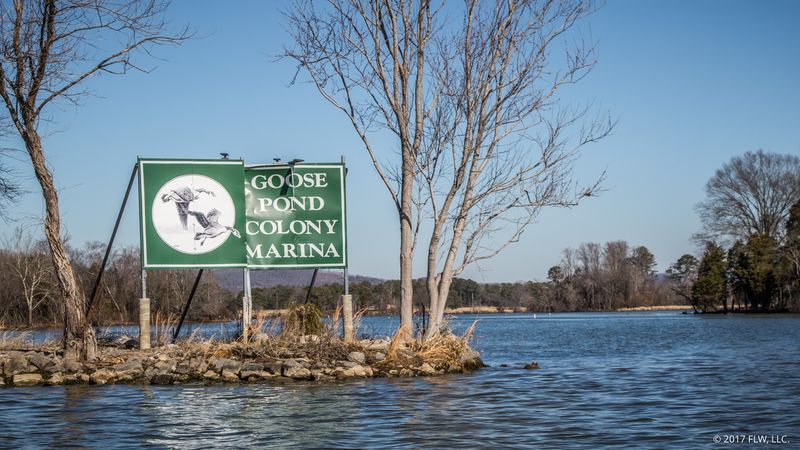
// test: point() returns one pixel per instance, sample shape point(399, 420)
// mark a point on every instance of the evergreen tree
point(709, 289)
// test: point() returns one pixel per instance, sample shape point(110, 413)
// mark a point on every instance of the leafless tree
point(483, 144)
point(498, 148)
point(9, 187)
point(750, 195)
point(368, 59)
point(48, 49)
point(28, 263)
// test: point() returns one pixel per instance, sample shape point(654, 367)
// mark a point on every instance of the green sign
point(192, 213)
point(295, 216)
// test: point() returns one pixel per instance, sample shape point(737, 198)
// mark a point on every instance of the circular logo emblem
point(194, 214)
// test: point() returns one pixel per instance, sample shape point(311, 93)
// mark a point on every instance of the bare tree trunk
point(406, 279)
point(79, 338)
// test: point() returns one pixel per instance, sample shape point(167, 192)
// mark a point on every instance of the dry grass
point(269, 337)
point(18, 339)
point(15, 339)
point(163, 325)
point(443, 350)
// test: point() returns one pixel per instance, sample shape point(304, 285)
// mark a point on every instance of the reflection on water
point(620, 380)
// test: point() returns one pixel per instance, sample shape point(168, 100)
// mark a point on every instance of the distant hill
point(231, 279)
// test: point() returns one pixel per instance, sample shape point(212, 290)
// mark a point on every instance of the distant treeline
point(615, 277)
point(592, 277)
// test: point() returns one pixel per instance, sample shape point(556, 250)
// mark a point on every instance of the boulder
point(102, 376)
point(470, 359)
point(378, 356)
point(251, 369)
point(27, 379)
point(273, 367)
point(40, 360)
point(56, 379)
point(532, 365)
point(162, 378)
point(211, 375)
point(183, 367)
point(226, 364)
point(72, 365)
point(229, 376)
point(357, 357)
point(380, 344)
point(16, 363)
point(165, 366)
point(134, 363)
point(295, 370)
point(426, 369)
point(355, 371)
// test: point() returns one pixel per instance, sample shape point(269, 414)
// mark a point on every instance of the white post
point(144, 315)
point(247, 305)
point(347, 305)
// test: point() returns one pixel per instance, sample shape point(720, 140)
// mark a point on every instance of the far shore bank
point(276, 313)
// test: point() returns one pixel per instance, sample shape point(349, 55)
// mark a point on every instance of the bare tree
point(47, 50)
point(28, 262)
point(483, 146)
point(750, 195)
point(496, 148)
point(368, 59)
point(9, 188)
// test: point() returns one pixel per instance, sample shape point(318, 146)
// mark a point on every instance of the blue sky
point(693, 84)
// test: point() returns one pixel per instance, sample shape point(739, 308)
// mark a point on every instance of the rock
point(406, 373)
point(273, 367)
point(211, 375)
point(27, 379)
point(162, 378)
point(357, 357)
point(229, 376)
point(532, 365)
point(379, 356)
point(72, 365)
point(183, 368)
point(355, 371)
point(84, 377)
point(251, 369)
point(347, 364)
point(40, 360)
point(56, 379)
point(470, 359)
point(16, 363)
point(102, 376)
point(70, 378)
point(295, 370)
point(226, 364)
point(134, 363)
point(380, 344)
point(426, 369)
point(164, 366)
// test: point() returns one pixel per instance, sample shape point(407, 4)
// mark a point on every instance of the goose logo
point(194, 214)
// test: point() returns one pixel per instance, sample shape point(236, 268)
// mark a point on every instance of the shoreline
point(281, 359)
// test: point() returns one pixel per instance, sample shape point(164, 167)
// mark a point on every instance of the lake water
point(621, 380)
